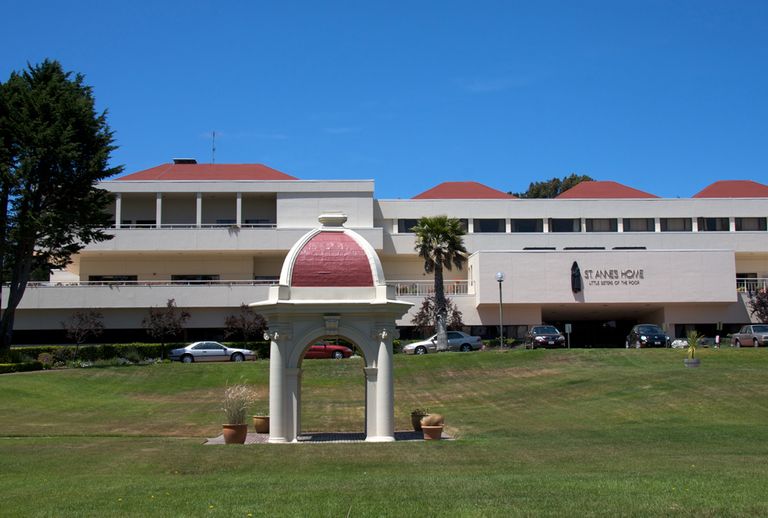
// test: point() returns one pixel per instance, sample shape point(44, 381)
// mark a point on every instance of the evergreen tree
point(552, 188)
point(54, 148)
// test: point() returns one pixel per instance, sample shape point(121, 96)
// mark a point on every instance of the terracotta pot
point(261, 423)
point(432, 433)
point(416, 421)
point(235, 433)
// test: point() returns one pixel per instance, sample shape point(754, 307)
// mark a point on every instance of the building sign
point(614, 277)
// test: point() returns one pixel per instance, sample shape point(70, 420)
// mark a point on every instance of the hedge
point(133, 351)
point(6, 368)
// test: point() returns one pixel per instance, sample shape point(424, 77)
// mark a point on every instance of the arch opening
point(331, 389)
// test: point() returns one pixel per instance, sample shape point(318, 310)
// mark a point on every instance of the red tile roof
point(462, 191)
point(733, 189)
point(603, 189)
point(208, 172)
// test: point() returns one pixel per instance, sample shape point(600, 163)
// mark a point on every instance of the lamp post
point(500, 280)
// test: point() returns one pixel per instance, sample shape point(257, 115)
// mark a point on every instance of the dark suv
point(647, 335)
point(544, 336)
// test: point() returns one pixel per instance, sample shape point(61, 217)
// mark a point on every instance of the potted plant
point(693, 341)
point(416, 415)
point(261, 421)
point(237, 399)
point(432, 426)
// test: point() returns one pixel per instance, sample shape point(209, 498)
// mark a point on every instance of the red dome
point(331, 259)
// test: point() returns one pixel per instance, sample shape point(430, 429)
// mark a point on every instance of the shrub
point(46, 359)
point(432, 420)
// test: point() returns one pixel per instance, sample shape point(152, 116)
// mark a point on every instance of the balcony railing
point(751, 284)
point(60, 284)
point(426, 288)
point(193, 226)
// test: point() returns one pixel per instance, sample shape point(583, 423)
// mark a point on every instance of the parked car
point(753, 334)
point(457, 341)
point(704, 341)
point(544, 336)
point(647, 335)
point(327, 350)
point(211, 352)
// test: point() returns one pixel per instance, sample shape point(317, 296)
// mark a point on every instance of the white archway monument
point(331, 284)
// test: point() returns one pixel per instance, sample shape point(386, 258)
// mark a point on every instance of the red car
point(326, 350)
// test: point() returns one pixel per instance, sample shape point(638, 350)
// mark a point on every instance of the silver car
point(211, 352)
point(457, 341)
point(754, 335)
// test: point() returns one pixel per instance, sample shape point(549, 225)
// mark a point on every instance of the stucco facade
point(217, 242)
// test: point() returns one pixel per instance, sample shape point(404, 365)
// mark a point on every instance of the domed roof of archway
point(332, 256)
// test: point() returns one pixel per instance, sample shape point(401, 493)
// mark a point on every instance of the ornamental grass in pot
point(237, 399)
point(416, 415)
point(693, 342)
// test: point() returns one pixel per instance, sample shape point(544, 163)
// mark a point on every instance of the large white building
point(215, 236)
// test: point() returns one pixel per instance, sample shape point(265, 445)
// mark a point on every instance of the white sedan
point(457, 341)
point(211, 352)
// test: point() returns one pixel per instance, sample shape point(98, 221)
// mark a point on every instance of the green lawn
point(539, 433)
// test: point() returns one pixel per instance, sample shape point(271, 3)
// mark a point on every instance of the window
point(539, 248)
point(405, 226)
point(750, 224)
point(565, 225)
point(490, 225)
point(194, 279)
point(639, 225)
point(584, 248)
point(713, 225)
point(629, 248)
point(602, 225)
point(675, 224)
point(112, 278)
point(527, 225)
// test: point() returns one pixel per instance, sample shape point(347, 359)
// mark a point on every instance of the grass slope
point(545, 433)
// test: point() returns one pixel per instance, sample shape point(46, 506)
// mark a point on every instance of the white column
point(694, 224)
point(371, 374)
point(657, 224)
point(293, 395)
point(277, 388)
point(470, 226)
point(545, 227)
point(199, 209)
point(385, 385)
point(239, 210)
point(583, 224)
point(118, 209)
point(507, 225)
point(732, 224)
point(158, 210)
point(619, 224)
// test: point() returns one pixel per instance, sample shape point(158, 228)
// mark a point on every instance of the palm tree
point(440, 243)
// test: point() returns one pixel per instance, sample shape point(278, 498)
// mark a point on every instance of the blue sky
point(665, 96)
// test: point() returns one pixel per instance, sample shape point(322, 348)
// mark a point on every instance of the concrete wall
point(301, 210)
point(652, 276)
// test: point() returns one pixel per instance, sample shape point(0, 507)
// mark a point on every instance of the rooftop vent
point(184, 161)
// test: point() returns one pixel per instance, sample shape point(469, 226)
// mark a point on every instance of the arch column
point(277, 390)
point(371, 374)
point(293, 392)
point(385, 384)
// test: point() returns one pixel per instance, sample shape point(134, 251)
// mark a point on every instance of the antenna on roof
point(213, 148)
